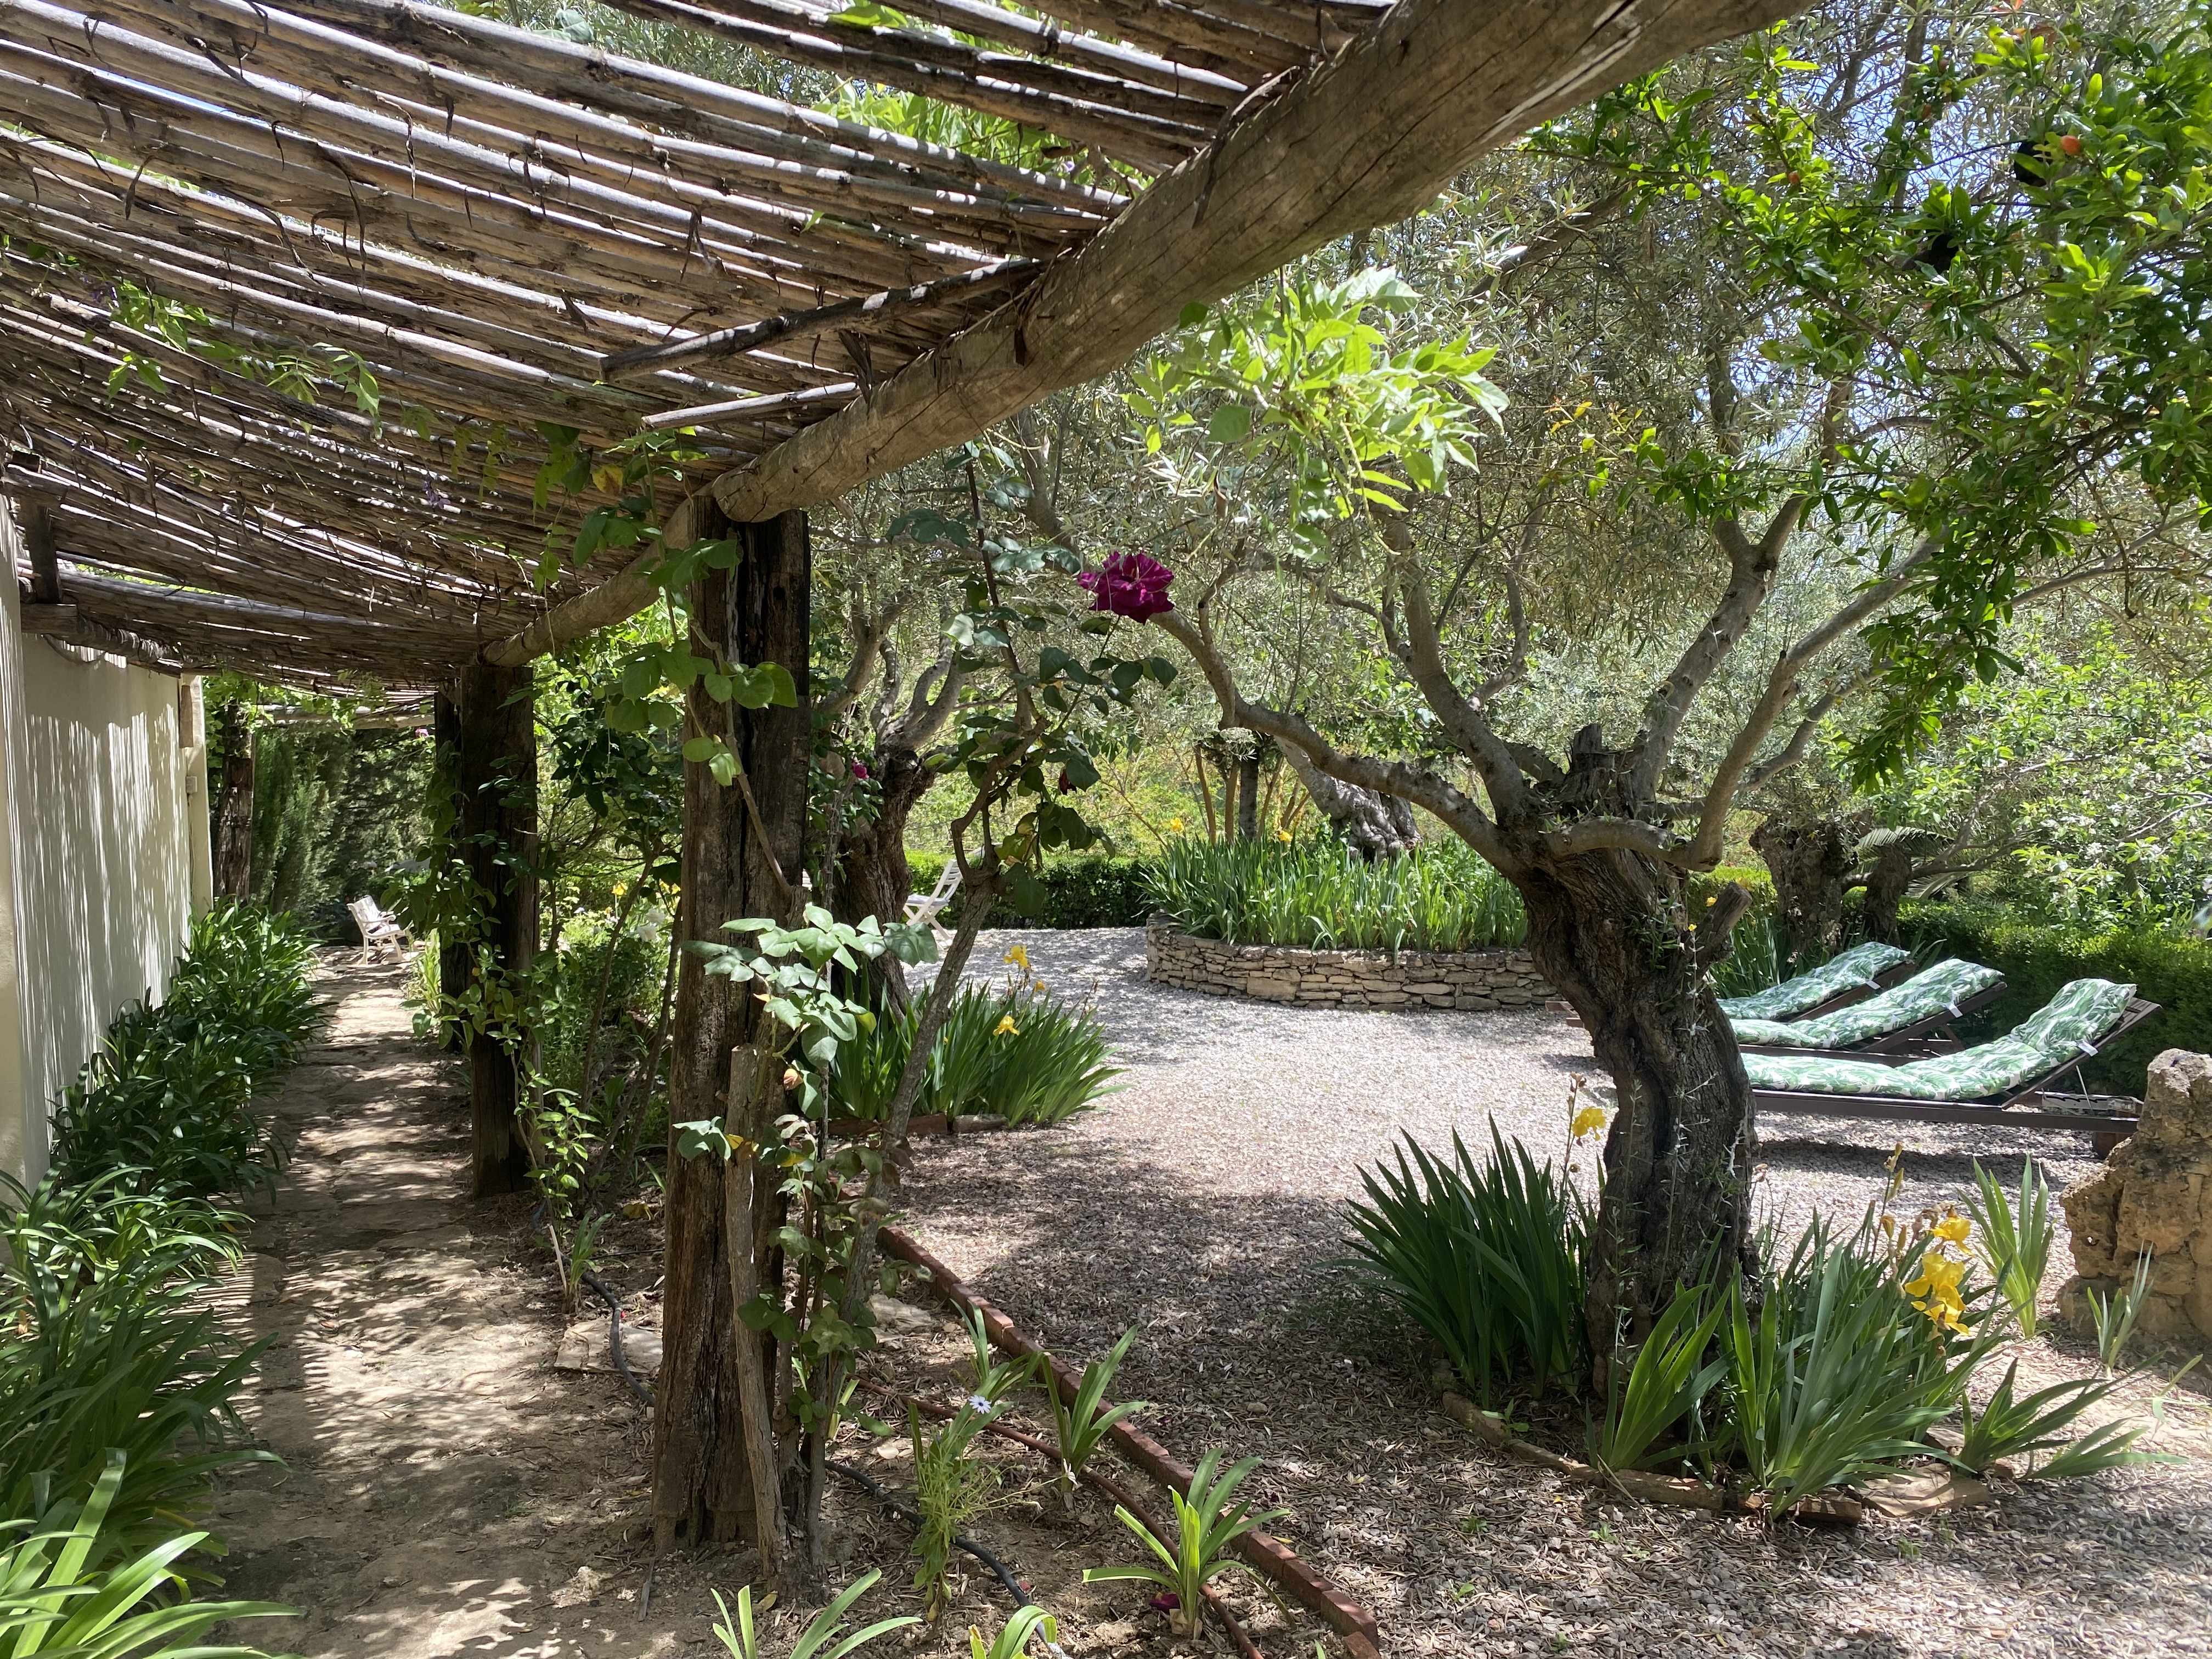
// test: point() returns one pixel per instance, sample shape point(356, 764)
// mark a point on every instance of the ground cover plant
point(1833, 1367)
point(1317, 894)
point(118, 1391)
point(1014, 1051)
point(169, 1094)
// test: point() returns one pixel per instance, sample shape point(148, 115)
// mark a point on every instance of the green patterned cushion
point(1933, 991)
point(2066, 1029)
point(1853, 968)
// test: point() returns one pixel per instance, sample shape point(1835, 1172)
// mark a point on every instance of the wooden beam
point(1365, 140)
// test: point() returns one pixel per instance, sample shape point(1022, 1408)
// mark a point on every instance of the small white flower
point(981, 1404)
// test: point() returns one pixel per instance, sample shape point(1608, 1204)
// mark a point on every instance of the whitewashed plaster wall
point(103, 767)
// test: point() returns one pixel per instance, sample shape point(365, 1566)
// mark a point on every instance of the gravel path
point(1200, 1204)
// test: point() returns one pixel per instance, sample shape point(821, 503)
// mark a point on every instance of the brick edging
point(1352, 979)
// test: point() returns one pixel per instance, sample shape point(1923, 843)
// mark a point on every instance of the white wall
point(103, 854)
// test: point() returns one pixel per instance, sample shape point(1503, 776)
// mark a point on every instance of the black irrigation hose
point(1021, 1596)
point(614, 1312)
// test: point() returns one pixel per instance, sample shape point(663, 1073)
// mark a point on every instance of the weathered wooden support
point(234, 806)
point(445, 779)
point(755, 613)
point(497, 782)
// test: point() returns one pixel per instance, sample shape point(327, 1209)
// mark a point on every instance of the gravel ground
point(1202, 1205)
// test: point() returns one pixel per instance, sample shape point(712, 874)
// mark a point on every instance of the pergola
point(428, 248)
point(303, 302)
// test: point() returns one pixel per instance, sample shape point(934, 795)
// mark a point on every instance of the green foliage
point(1092, 890)
point(170, 1093)
point(2015, 1426)
point(952, 1487)
point(1208, 1522)
point(1080, 1425)
point(1018, 1052)
point(798, 973)
point(1317, 894)
point(1667, 1381)
point(2015, 1237)
point(1307, 383)
point(1836, 1375)
point(1485, 1258)
point(109, 1359)
point(1013, 1641)
point(736, 1634)
point(2114, 1317)
point(994, 1378)
point(60, 1598)
point(2166, 965)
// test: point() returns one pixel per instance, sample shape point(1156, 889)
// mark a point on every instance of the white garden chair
point(922, 907)
point(379, 930)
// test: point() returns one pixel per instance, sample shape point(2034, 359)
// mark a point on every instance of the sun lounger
point(1911, 1019)
point(1989, 1083)
point(1855, 976)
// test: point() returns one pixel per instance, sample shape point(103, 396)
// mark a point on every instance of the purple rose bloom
point(860, 771)
point(1132, 585)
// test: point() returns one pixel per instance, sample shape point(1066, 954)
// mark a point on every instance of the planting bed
point(1199, 1206)
point(1464, 980)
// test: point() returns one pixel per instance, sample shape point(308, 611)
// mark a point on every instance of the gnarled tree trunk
point(873, 879)
point(1886, 886)
point(1608, 931)
point(1810, 863)
point(701, 1477)
point(1375, 826)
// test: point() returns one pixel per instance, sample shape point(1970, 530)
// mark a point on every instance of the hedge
point(1079, 892)
point(2171, 969)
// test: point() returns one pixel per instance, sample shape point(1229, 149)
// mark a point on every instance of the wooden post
point(702, 1488)
point(234, 806)
point(497, 756)
point(445, 779)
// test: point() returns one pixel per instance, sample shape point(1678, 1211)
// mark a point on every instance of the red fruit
point(2070, 144)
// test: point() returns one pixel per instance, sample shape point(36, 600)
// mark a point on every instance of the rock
point(896, 1318)
point(584, 1348)
point(976, 1123)
point(581, 1589)
point(2154, 1197)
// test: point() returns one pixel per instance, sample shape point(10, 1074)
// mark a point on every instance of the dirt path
point(443, 1489)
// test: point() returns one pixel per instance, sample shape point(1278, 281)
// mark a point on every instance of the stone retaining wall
point(1358, 979)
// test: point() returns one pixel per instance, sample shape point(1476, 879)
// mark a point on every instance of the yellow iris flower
point(1018, 955)
point(1176, 825)
point(1283, 836)
point(1936, 1292)
point(1588, 1121)
point(1954, 1230)
point(1005, 1027)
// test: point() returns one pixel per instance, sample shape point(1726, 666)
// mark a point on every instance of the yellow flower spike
point(1037, 985)
point(1587, 1121)
point(1176, 825)
point(1283, 836)
point(1019, 956)
point(1005, 1027)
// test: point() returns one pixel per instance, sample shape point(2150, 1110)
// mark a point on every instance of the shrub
point(1018, 1052)
point(1317, 894)
point(2169, 967)
point(1487, 1259)
point(1830, 1368)
point(111, 1359)
point(169, 1095)
point(1093, 890)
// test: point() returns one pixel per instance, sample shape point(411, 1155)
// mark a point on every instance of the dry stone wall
point(2153, 1198)
point(1357, 979)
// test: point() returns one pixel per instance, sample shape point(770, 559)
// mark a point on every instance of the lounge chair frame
point(1990, 1109)
point(1921, 1040)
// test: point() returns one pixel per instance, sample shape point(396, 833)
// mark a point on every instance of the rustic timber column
point(445, 800)
point(497, 781)
point(233, 854)
point(755, 613)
